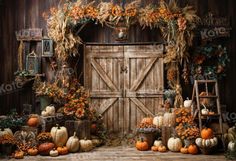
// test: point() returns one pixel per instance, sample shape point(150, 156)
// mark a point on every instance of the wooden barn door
point(125, 83)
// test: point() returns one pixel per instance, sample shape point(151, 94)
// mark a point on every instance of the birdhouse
point(32, 63)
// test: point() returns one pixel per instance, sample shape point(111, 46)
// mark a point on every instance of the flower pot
point(44, 102)
point(7, 149)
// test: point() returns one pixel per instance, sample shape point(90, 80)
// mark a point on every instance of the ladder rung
point(206, 81)
point(208, 96)
point(213, 115)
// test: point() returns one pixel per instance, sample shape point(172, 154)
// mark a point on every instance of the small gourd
point(32, 151)
point(53, 153)
point(50, 110)
point(62, 150)
point(192, 149)
point(204, 111)
point(19, 155)
point(154, 148)
point(86, 145)
point(157, 143)
point(73, 143)
point(44, 114)
point(184, 150)
point(162, 149)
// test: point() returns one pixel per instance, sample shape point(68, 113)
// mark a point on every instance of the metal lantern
point(47, 47)
point(32, 63)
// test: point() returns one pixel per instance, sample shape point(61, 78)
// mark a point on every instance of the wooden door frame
point(123, 99)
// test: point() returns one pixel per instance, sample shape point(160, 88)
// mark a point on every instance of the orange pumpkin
point(62, 150)
point(19, 155)
point(154, 148)
point(142, 145)
point(192, 149)
point(184, 150)
point(45, 148)
point(207, 133)
point(162, 149)
point(147, 121)
point(33, 121)
point(32, 151)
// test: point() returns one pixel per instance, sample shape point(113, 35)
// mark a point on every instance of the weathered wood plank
point(103, 75)
point(142, 75)
point(142, 107)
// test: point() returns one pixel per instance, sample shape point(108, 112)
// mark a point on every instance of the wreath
point(209, 62)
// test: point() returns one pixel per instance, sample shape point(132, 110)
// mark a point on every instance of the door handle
point(124, 69)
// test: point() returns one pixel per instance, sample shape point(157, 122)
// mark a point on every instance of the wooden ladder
point(196, 96)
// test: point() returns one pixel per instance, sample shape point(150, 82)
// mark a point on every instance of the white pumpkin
point(214, 141)
point(204, 111)
point(86, 145)
point(6, 131)
point(198, 142)
point(188, 103)
point(174, 144)
point(208, 143)
point(44, 114)
point(169, 119)
point(73, 143)
point(157, 143)
point(231, 146)
point(53, 153)
point(59, 135)
point(50, 110)
point(158, 121)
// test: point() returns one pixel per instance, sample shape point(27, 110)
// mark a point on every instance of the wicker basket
point(207, 151)
point(148, 135)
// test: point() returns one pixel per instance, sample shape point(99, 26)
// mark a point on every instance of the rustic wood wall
point(15, 15)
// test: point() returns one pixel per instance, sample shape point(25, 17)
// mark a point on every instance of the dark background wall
point(19, 14)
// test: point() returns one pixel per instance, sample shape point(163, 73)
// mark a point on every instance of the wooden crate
point(50, 121)
point(81, 127)
point(166, 134)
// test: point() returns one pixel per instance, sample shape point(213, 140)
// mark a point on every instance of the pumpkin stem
point(141, 139)
point(58, 126)
point(74, 134)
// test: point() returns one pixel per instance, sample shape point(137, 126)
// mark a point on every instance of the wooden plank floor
point(122, 153)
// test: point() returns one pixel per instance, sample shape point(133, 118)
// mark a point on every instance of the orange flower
point(131, 12)
point(53, 10)
point(181, 23)
point(80, 113)
point(116, 11)
point(91, 12)
point(199, 59)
